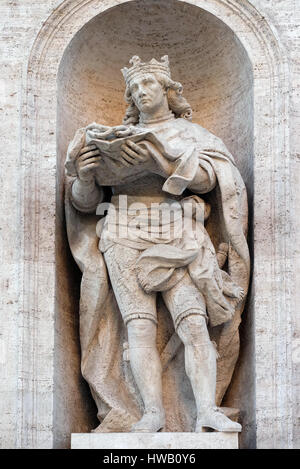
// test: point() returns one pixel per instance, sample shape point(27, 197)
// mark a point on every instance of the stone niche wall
point(213, 66)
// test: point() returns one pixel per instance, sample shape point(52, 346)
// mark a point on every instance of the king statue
point(165, 272)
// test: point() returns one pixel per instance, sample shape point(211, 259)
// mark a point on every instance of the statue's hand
point(87, 161)
point(133, 153)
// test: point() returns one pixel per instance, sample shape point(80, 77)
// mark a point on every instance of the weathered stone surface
point(34, 37)
point(177, 440)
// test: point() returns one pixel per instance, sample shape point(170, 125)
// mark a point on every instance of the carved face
point(147, 93)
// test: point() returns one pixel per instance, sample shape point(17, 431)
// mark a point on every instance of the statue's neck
point(150, 119)
point(161, 114)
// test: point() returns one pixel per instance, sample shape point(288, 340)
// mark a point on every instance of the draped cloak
point(102, 332)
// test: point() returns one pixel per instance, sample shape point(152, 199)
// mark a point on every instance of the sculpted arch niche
point(222, 81)
point(205, 56)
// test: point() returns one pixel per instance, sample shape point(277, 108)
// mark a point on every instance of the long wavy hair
point(177, 103)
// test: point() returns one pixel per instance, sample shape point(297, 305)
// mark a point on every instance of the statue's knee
point(141, 331)
point(193, 330)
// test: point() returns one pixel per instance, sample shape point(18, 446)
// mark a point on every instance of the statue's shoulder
point(203, 138)
point(196, 130)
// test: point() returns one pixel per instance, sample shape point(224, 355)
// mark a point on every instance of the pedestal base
point(213, 440)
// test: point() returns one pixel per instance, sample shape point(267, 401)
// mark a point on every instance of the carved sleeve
point(204, 179)
point(192, 172)
point(86, 196)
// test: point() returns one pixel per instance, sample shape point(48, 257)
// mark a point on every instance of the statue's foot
point(213, 418)
point(152, 421)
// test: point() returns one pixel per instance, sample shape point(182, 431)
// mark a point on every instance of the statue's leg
point(147, 371)
point(187, 307)
point(138, 310)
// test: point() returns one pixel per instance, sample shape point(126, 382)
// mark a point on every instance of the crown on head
point(140, 68)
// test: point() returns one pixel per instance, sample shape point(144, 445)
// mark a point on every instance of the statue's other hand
point(133, 153)
point(87, 161)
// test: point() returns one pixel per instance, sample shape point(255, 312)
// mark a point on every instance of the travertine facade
point(42, 402)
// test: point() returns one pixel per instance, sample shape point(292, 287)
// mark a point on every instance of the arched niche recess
point(217, 74)
point(205, 56)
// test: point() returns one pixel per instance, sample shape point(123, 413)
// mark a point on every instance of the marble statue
point(165, 272)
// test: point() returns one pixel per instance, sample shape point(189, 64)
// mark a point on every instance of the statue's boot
point(212, 417)
point(153, 420)
point(200, 362)
point(146, 368)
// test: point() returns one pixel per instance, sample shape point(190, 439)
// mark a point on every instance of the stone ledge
point(165, 440)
